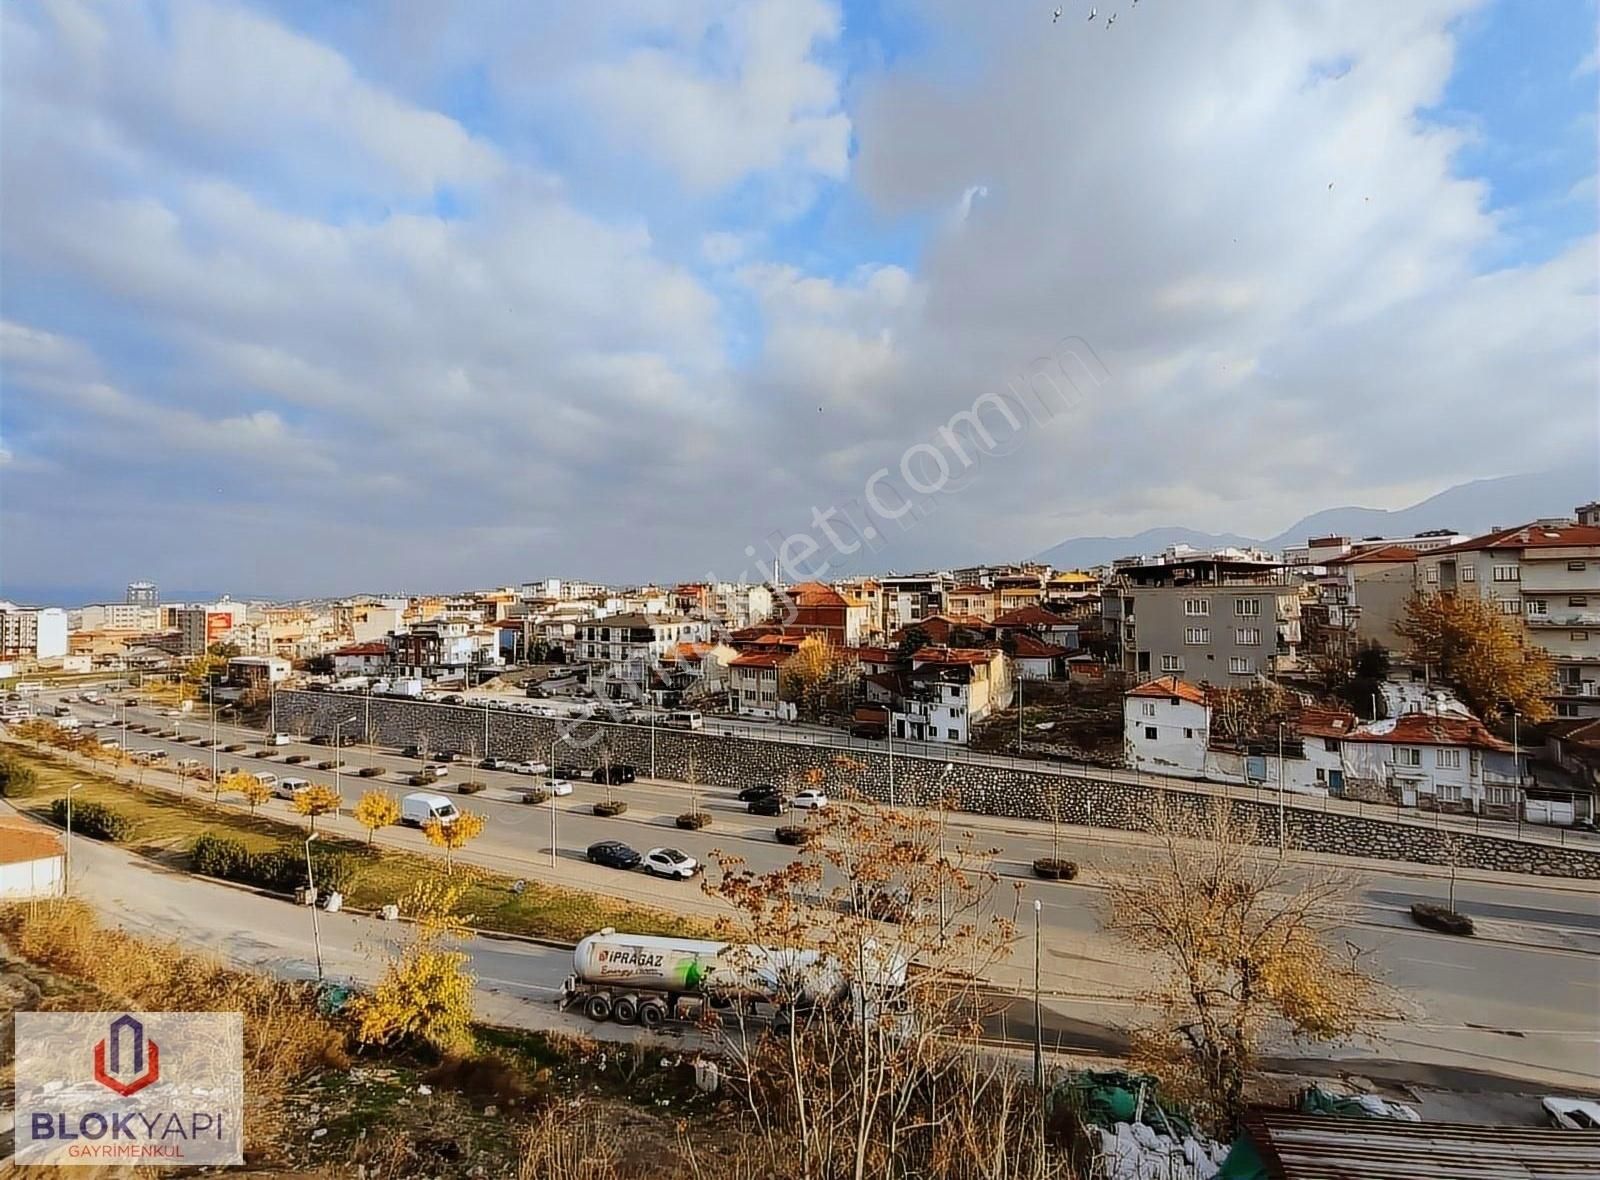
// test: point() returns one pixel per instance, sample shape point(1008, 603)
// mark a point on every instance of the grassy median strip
point(165, 826)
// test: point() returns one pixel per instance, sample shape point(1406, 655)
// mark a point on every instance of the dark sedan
point(614, 854)
point(571, 773)
point(617, 774)
point(759, 791)
point(766, 805)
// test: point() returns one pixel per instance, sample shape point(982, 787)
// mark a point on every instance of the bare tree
point(1241, 947)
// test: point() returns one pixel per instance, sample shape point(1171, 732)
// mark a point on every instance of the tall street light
point(1038, 1021)
point(66, 886)
point(560, 737)
point(211, 697)
point(338, 750)
point(311, 892)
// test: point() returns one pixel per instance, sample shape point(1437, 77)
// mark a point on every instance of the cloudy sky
point(307, 298)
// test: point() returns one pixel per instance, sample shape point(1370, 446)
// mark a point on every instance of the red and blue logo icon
point(142, 1057)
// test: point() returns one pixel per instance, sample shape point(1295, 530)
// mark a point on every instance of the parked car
point(619, 773)
point(614, 854)
point(1572, 1114)
point(810, 799)
point(434, 770)
point(759, 791)
point(669, 862)
point(411, 752)
point(446, 755)
point(766, 805)
point(419, 807)
point(529, 767)
point(278, 739)
point(558, 786)
point(567, 770)
point(288, 788)
point(495, 764)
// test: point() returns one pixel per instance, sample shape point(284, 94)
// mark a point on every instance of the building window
point(1433, 575)
point(1512, 573)
point(1577, 600)
point(1575, 566)
point(1449, 792)
point(1500, 796)
point(1148, 708)
point(1536, 606)
point(1172, 663)
point(1331, 745)
point(1247, 636)
point(1408, 756)
point(1247, 608)
point(1564, 709)
point(1195, 636)
point(1579, 637)
point(1322, 775)
point(1469, 573)
point(1197, 607)
point(1149, 733)
point(1447, 759)
point(1239, 666)
point(1510, 606)
point(1187, 732)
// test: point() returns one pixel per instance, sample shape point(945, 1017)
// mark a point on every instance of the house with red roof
point(754, 676)
point(945, 693)
point(1362, 596)
point(1438, 762)
point(1544, 575)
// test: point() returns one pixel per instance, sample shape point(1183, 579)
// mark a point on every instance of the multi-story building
point(625, 651)
point(1545, 576)
point(135, 618)
point(191, 621)
point(143, 594)
point(1361, 598)
point(1205, 619)
point(909, 599)
point(32, 633)
point(753, 682)
point(948, 691)
point(815, 608)
point(869, 592)
point(1437, 763)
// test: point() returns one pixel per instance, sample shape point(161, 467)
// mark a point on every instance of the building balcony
point(1569, 618)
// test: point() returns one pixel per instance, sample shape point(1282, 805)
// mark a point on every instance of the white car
point(809, 800)
point(171, 713)
point(528, 768)
point(558, 786)
point(277, 739)
point(1573, 1114)
point(669, 862)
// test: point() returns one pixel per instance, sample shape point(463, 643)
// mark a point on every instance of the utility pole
point(211, 693)
point(1038, 1023)
point(890, 739)
point(338, 751)
point(66, 886)
point(1280, 792)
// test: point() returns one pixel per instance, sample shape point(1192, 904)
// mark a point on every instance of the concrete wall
point(44, 877)
point(989, 790)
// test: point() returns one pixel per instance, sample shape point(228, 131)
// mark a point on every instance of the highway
point(1523, 997)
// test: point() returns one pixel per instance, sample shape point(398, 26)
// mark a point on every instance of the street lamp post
point(1038, 1022)
point(559, 738)
point(66, 886)
point(211, 695)
point(311, 892)
point(1280, 792)
point(338, 751)
point(889, 737)
point(650, 696)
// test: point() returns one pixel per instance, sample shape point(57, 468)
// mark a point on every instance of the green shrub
point(17, 780)
point(95, 820)
point(218, 856)
point(281, 869)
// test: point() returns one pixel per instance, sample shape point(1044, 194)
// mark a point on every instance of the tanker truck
point(646, 979)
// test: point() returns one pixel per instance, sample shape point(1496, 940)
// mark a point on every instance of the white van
point(288, 788)
point(419, 807)
point(268, 780)
point(278, 739)
point(684, 719)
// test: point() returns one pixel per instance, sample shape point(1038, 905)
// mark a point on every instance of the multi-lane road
point(1524, 997)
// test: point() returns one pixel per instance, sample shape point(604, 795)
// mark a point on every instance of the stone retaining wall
point(990, 790)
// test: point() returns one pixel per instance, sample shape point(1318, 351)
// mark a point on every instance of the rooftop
point(1429, 729)
point(22, 840)
point(1544, 534)
point(761, 659)
point(1387, 553)
point(953, 655)
point(1170, 686)
point(1031, 616)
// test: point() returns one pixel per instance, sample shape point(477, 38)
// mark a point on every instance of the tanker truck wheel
point(626, 1009)
point(652, 1014)
point(598, 1007)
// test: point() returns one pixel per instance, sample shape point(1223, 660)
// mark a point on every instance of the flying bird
point(1093, 12)
point(1330, 186)
point(1056, 17)
point(1111, 20)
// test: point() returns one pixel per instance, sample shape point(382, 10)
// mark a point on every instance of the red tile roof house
point(1438, 763)
point(361, 659)
point(753, 681)
point(32, 863)
point(1041, 624)
point(948, 690)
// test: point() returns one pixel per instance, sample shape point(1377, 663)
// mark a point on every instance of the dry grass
point(284, 1037)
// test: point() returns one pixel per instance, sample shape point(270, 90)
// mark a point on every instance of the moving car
point(567, 770)
point(809, 799)
point(766, 805)
point(419, 807)
point(434, 770)
point(617, 773)
point(759, 791)
point(288, 788)
point(529, 767)
point(558, 786)
point(670, 862)
point(278, 739)
point(613, 854)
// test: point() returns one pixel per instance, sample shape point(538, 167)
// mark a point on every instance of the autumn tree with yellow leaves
point(374, 810)
point(425, 994)
point(809, 674)
point(1469, 644)
point(316, 800)
point(454, 834)
point(1239, 946)
point(255, 791)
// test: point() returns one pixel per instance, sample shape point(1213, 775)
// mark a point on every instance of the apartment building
point(1546, 576)
point(1361, 598)
point(32, 633)
point(814, 608)
point(134, 617)
point(623, 651)
point(143, 594)
point(910, 599)
point(1205, 619)
point(948, 691)
point(753, 681)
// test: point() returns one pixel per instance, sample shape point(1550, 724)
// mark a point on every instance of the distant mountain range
point(1474, 507)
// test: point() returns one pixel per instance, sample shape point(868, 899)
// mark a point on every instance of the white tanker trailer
point(648, 979)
